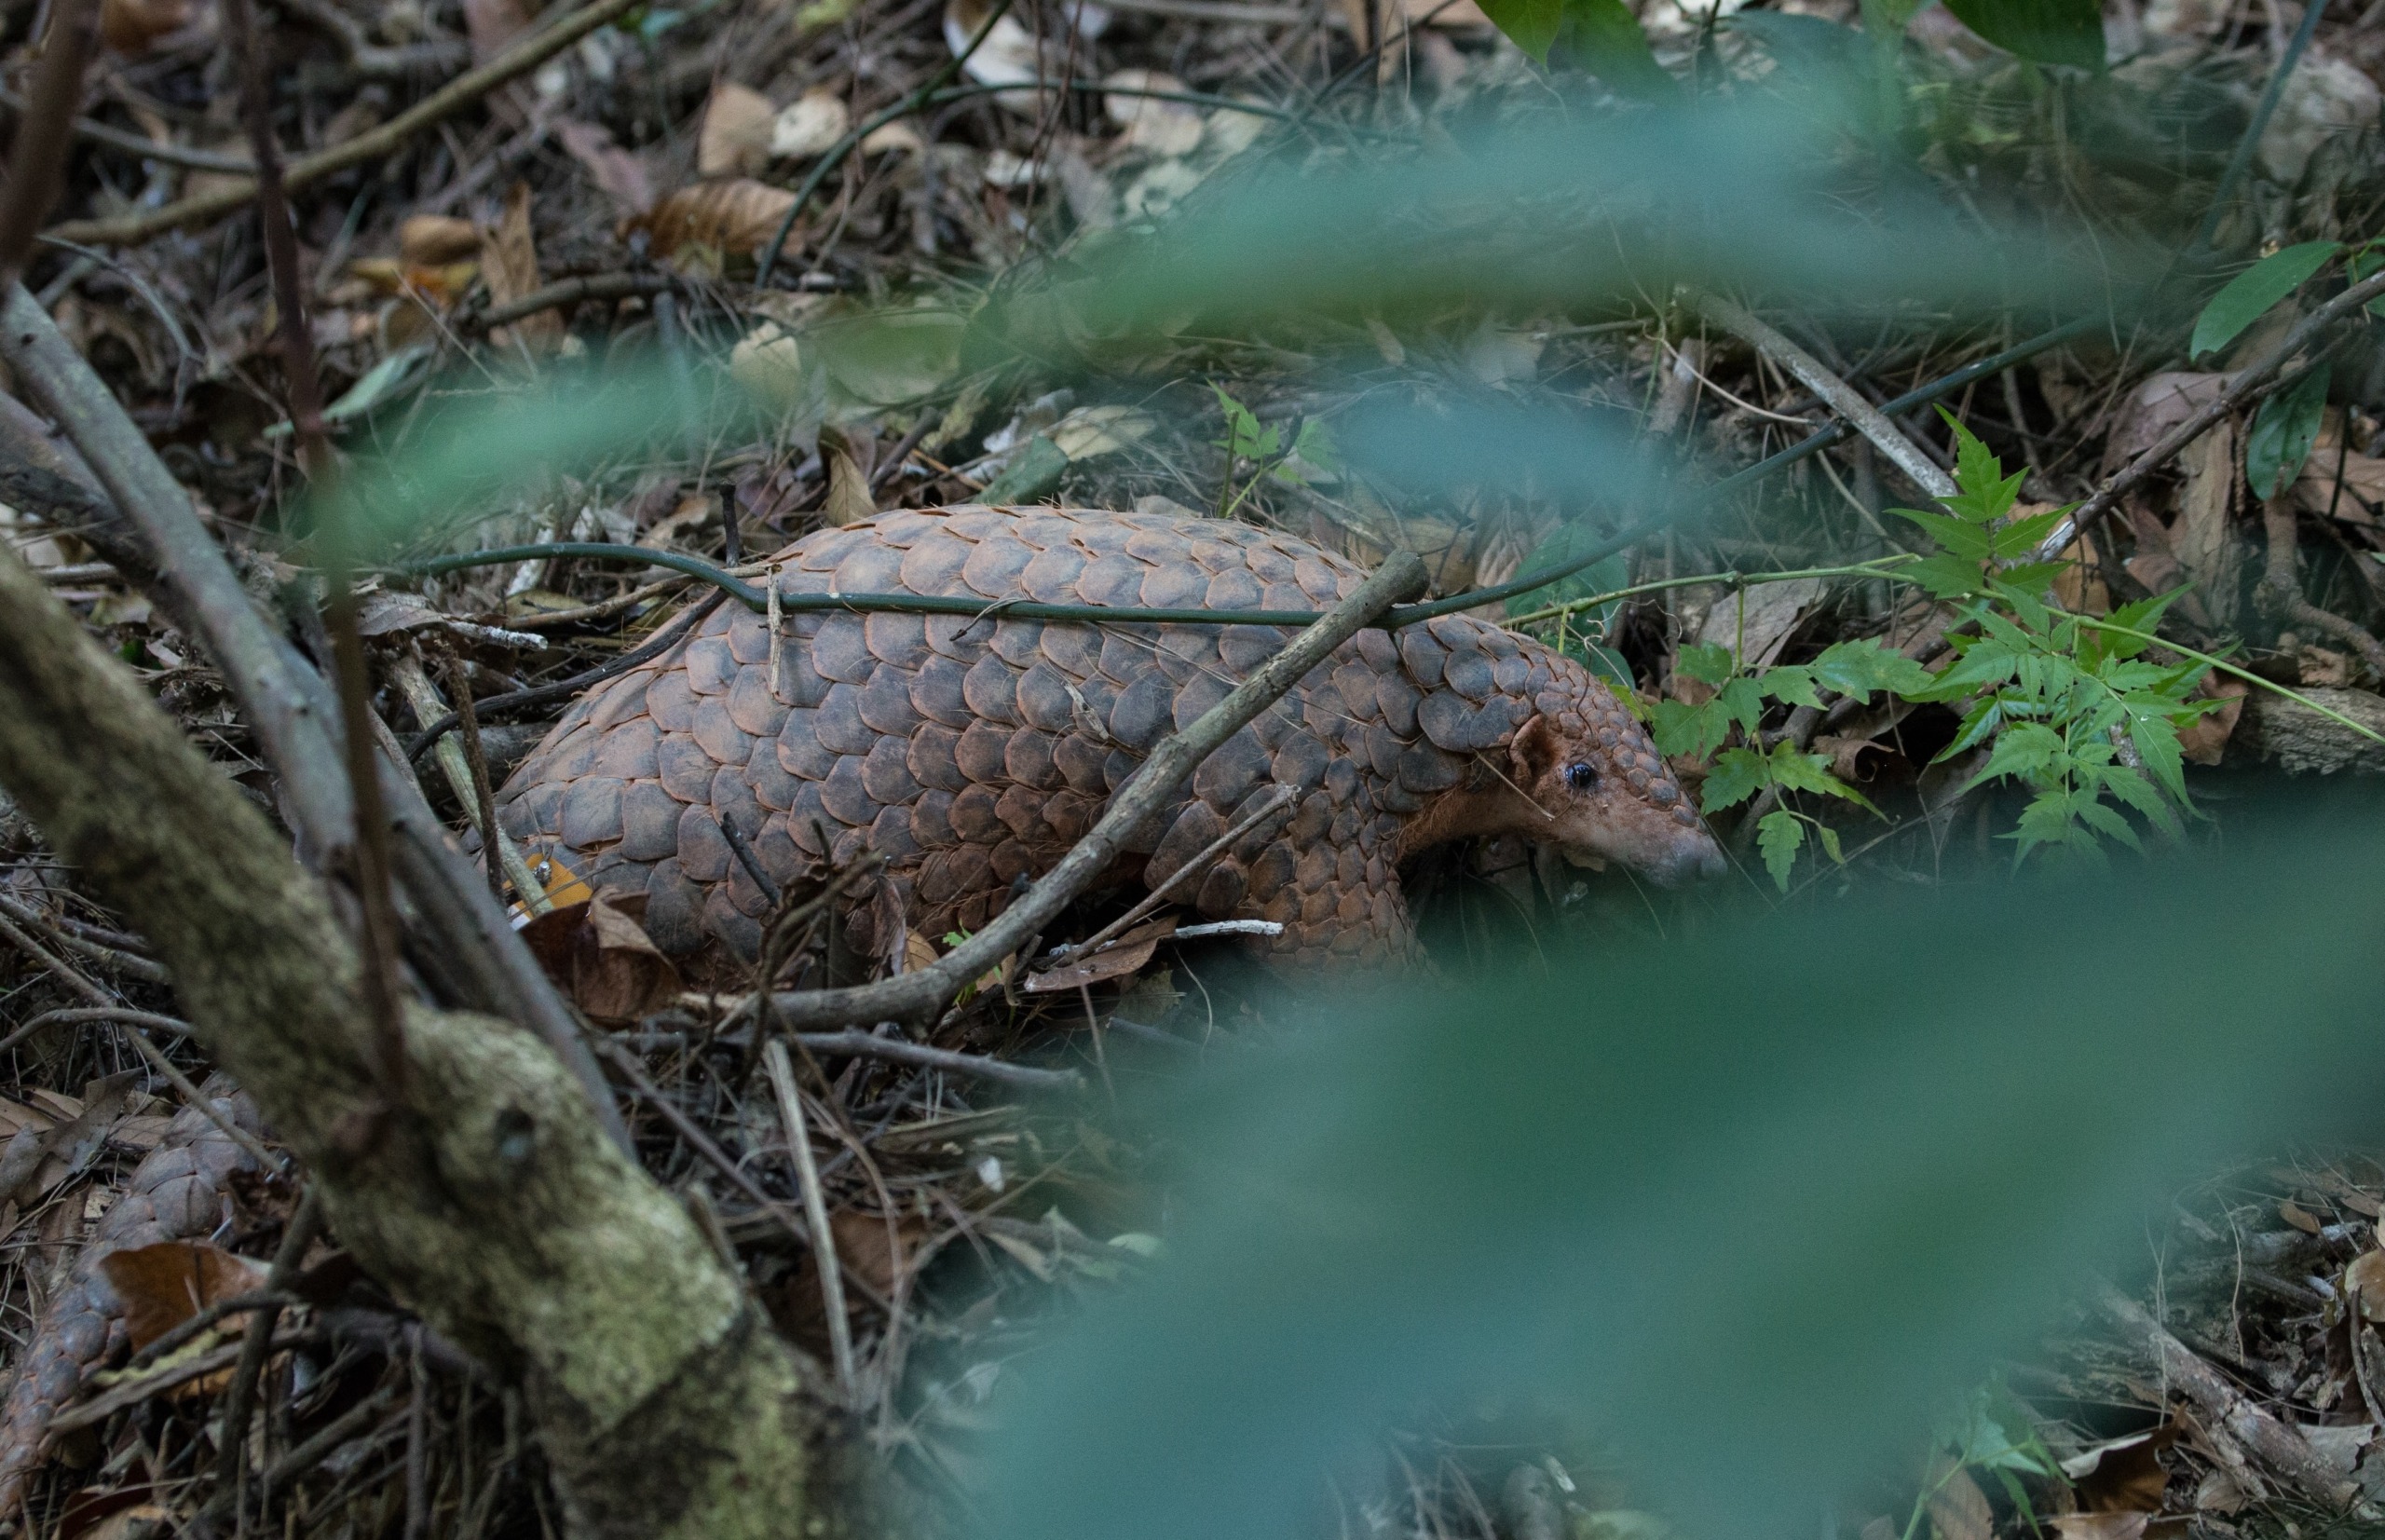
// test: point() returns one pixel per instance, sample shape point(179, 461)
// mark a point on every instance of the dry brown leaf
point(2152, 409)
point(918, 952)
point(163, 1286)
point(849, 494)
point(2365, 1280)
point(492, 25)
point(2079, 585)
point(1116, 960)
point(1846, 755)
point(130, 26)
point(2204, 740)
point(599, 951)
point(2363, 479)
point(2300, 1218)
point(1151, 126)
point(614, 169)
point(510, 263)
point(2203, 539)
point(737, 217)
point(433, 240)
point(735, 138)
point(1956, 1506)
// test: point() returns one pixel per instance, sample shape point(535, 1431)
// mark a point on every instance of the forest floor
point(614, 199)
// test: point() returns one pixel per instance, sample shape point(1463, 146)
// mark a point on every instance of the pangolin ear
point(1533, 752)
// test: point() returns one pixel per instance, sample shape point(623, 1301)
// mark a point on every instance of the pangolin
point(969, 751)
point(176, 1193)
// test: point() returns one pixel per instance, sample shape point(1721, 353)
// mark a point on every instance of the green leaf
point(1793, 684)
point(1693, 730)
point(2251, 292)
point(1858, 668)
point(1532, 25)
point(2283, 431)
point(1603, 576)
point(2026, 751)
point(2051, 32)
point(1245, 439)
point(1741, 700)
point(1602, 37)
point(1793, 769)
point(1708, 663)
point(1946, 577)
point(1778, 835)
point(1957, 537)
point(1737, 775)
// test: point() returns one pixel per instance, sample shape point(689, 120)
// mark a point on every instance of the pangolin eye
point(1581, 777)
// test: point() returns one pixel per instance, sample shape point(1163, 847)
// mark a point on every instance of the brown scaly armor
point(970, 752)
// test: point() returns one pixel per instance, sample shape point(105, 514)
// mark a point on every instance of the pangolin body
point(972, 751)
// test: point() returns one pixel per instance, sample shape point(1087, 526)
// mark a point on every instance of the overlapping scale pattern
point(973, 752)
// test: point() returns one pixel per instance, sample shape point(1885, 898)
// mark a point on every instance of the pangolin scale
point(972, 751)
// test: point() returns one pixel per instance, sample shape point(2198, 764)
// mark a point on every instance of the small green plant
point(1261, 447)
point(1991, 1433)
point(2073, 711)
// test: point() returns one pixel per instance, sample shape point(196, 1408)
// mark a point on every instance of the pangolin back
point(971, 751)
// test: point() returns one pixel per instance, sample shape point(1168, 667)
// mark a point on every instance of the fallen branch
point(915, 996)
point(463, 944)
point(449, 100)
point(1842, 398)
point(494, 1201)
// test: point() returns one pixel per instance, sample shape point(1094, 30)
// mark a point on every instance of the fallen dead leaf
point(1957, 1507)
point(598, 950)
point(130, 26)
point(510, 263)
point(163, 1286)
point(1118, 957)
point(614, 169)
point(812, 123)
point(2365, 1279)
point(1756, 623)
point(433, 240)
point(2300, 1218)
point(738, 216)
point(2100, 1526)
point(2204, 739)
point(767, 363)
point(2160, 403)
point(735, 137)
point(849, 494)
point(2363, 479)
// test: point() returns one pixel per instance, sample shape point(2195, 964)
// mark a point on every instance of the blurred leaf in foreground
point(1731, 1200)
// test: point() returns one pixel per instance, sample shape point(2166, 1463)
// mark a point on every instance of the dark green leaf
point(1778, 835)
point(1532, 25)
point(1708, 663)
point(1602, 37)
point(2283, 431)
point(2251, 292)
point(1737, 775)
point(2051, 32)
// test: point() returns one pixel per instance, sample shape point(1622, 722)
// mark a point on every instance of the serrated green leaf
point(1858, 668)
point(1708, 663)
point(2025, 751)
point(1737, 775)
point(1792, 684)
point(2251, 292)
point(1778, 835)
point(1793, 769)
point(1677, 727)
point(1956, 537)
point(1741, 700)
point(2283, 431)
point(1944, 577)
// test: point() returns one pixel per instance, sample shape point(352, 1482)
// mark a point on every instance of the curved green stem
point(2230, 669)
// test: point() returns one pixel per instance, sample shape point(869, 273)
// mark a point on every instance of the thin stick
point(1283, 798)
point(2258, 378)
point(457, 94)
point(46, 131)
point(459, 689)
point(380, 943)
point(918, 995)
point(423, 697)
point(205, 1106)
point(815, 1209)
point(1842, 398)
point(71, 1014)
point(2242, 160)
point(97, 133)
point(231, 1466)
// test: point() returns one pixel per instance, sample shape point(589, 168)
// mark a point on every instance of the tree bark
point(491, 1199)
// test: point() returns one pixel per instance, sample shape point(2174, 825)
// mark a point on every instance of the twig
point(1842, 398)
point(145, 969)
point(375, 898)
point(506, 858)
point(204, 1105)
point(231, 1468)
point(457, 94)
point(75, 1013)
point(66, 973)
point(459, 687)
point(468, 951)
point(914, 996)
point(862, 1044)
point(191, 1327)
point(563, 690)
point(46, 131)
point(815, 1209)
point(2281, 589)
point(2257, 376)
point(569, 290)
point(911, 103)
point(701, 1143)
point(2278, 1446)
point(741, 848)
point(97, 133)
point(1283, 798)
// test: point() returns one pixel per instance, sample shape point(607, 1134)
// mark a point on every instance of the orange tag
point(564, 887)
